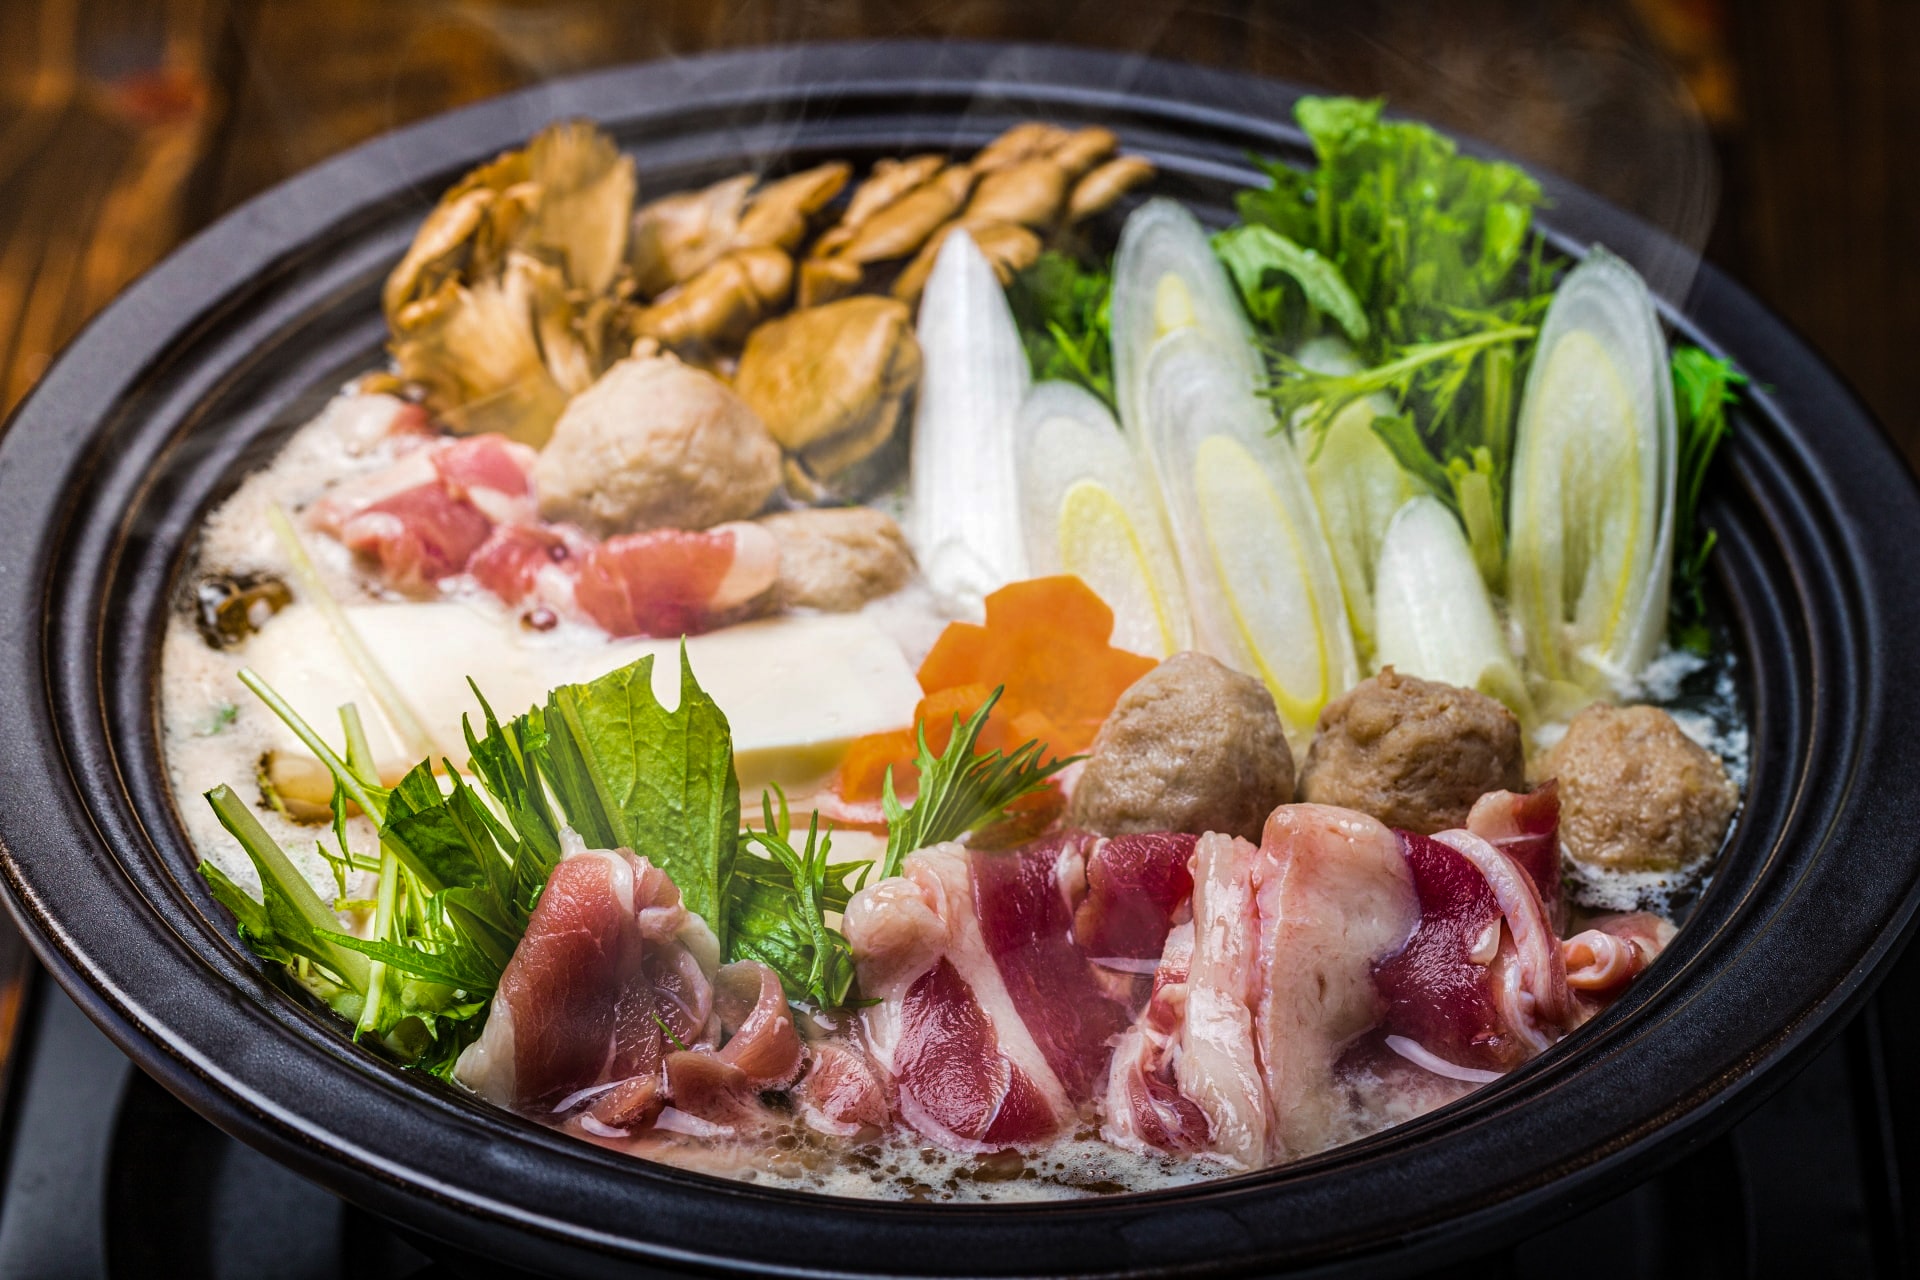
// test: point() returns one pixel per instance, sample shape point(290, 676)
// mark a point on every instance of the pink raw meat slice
point(1439, 987)
point(1526, 828)
point(610, 966)
point(969, 1073)
point(1137, 889)
point(1335, 897)
point(1021, 900)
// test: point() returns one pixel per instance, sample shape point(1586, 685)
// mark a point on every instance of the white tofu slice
point(796, 690)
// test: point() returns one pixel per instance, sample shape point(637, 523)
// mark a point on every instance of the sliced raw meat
point(491, 472)
point(1145, 1109)
point(842, 1092)
point(1137, 889)
point(1527, 829)
point(969, 1073)
point(669, 582)
point(527, 562)
point(609, 969)
point(1529, 974)
point(1610, 953)
point(417, 536)
point(1218, 1067)
point(1022, 901)
point(423, 518)
point(753, 1011)
point(1439, 987)
point(1335, 897)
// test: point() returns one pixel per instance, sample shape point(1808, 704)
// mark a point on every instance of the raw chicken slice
point(1335, 897)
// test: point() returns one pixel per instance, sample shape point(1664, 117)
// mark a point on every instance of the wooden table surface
point(126, 124)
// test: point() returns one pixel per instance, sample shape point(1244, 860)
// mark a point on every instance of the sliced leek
point(1358, 486)
point(1089, 508)
point(1259, 575)
point(966, 515)
point(1593, 484)
point(1435, 618)
point(1166, 278)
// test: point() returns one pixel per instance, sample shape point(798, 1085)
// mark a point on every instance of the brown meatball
point(1413, 753)
point(1636, 793)
point(656, 444)
point(838, 559)
point(1191, 746)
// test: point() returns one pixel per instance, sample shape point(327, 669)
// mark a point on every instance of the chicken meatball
point(1191, 746)
point(1636, 793)
point(837, 559)
point(1413, 753)
point(655, 444)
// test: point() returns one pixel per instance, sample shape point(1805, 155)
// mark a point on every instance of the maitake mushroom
point(717, 261)
point(1031, 181)
point(502, 307)
point(830, 382)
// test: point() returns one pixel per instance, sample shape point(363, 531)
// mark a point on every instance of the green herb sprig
point(960, 791)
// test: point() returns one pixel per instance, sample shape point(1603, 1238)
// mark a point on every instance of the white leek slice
point(966, 515)
point(1358, 486)
point(1166, 278)
point(1435, 619)
point(1593, 483)
point(1090, 509)
point(1259, 575)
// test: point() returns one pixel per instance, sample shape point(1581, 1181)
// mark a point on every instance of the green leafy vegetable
point(959, 790)
point(1436, 248)
point(1062, 309)
point(462, 867)
point(1704, 386)
point(1262, 262)
point(777, 908)
point(1430, 240)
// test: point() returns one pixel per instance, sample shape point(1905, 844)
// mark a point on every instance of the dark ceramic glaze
point(201, 368)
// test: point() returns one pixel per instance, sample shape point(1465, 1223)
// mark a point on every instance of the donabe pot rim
point(108, 465)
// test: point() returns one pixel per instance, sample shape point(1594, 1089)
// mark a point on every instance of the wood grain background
point(1778, 134)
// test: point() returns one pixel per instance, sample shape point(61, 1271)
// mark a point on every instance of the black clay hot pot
point(193, 375)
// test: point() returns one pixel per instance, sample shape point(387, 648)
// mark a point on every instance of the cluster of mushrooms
point(536, 275)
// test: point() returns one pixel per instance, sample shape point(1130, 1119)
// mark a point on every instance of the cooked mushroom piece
point(656, 444)
point(1413, 753)
point(475, 352)
point(500, 308)
point(837, 559)
point(1102, 188)
point(721, 305)
point(1636, 793)
point(677, 237)
point(830, 381)
point(1011, 249)
point(1191, 746)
